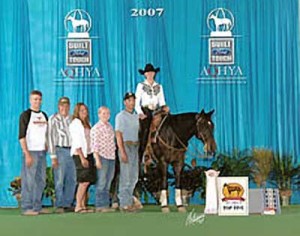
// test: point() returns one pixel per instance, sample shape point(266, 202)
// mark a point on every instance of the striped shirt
point(103, 140)
point(58, 133)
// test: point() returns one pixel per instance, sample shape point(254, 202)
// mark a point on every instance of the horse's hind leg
point(163, 168)
point(177, 166)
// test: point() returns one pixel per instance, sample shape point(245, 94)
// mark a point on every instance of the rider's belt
point(151, 107)
point(63, 147)
point(131, 143)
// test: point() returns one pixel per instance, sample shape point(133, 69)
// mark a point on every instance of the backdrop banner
point(239, 57)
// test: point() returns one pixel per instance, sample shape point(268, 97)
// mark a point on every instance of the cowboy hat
point(149, 67)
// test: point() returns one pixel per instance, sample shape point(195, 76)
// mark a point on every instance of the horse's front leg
point(177, 166)
point(163, 167)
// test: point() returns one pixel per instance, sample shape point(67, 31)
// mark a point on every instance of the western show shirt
point(147, 95)
point(33, 127)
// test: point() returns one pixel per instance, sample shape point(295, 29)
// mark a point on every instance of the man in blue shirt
point(127, 128)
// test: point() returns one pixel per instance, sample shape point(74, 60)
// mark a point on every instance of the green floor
point(148, 222)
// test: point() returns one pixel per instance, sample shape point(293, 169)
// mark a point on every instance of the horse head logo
point(220, 21)
point(78, 23)
point(233, 191)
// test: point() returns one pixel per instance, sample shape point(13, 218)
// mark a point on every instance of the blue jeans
point(64, 178)
point(33, 182)
point(129, 173)
point(105, 177)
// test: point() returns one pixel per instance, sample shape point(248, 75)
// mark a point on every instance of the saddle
point(155, 126)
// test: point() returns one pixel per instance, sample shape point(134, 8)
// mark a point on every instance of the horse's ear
point(211, 112)
point(199, 114)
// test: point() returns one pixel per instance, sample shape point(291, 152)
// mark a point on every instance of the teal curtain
point(263, 112)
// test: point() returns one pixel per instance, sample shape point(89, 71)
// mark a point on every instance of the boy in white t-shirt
point(32, 137)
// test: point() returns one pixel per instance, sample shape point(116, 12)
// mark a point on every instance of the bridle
point(200, 133)
point(183, 147)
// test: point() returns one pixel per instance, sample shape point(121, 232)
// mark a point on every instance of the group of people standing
point(82, 154)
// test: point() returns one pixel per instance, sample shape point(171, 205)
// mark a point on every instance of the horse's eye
point(209, 123)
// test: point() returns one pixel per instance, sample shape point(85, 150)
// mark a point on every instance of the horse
point(171, 144)
point(76, 23)
point(221, 21)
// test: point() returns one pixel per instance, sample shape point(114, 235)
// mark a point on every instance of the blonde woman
point(104, 147)
point(82, 154)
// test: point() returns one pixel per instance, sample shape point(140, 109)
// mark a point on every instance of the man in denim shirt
point(127, 128)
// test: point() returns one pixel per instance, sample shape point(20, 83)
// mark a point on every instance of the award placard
point(233, 196)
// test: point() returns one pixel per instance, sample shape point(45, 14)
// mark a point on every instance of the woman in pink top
point(103, 147)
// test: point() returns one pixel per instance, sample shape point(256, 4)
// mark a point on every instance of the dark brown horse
point(171, 144)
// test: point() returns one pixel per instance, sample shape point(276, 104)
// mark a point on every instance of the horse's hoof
point(181, 209)
point(165, 210)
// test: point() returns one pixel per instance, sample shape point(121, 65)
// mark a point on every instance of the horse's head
point(205, 130)
point(70, 18)
point(212, 16)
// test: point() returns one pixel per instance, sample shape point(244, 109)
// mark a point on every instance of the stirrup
point(153, 136)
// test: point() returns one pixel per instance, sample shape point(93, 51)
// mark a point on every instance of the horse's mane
point(176, 119)
point(181, 116)
point(183, 124)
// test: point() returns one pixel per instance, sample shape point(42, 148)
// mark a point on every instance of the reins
point(184, 147)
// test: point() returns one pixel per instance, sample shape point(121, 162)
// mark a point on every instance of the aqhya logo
point(221, 44)
point(221, 49)
point(78, 45)
point(80, 69)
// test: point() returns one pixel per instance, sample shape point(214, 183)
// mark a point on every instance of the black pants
point(144, 131)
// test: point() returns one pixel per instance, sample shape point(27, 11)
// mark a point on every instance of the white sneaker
point(137, 203)
point(115, 205)
point(30, 213)
point(105, 210)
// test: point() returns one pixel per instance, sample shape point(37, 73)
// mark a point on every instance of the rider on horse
point(150, 100)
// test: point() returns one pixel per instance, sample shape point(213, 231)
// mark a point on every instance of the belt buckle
point(151, 107)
